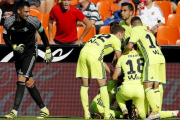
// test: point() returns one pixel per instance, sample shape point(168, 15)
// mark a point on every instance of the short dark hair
point(130, 6)
point(136, 21)
point(113, 23)
point(117, 28)
point(22, 4)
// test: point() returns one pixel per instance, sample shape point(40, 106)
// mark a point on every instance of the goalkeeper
point(19, 34)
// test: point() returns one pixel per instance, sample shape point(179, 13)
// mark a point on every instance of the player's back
point(148, 45)
point(132, 67)
point(102, 44)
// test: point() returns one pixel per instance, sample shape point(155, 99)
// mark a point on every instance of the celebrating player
point(154, 68)
point(19, 34)
point(90, 63)
point(132, 88)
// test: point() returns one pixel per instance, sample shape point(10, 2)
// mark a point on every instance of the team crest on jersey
point(8, 14)
point(25, 29)
point(152, 13)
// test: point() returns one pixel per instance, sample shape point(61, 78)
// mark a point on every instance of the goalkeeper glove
point(48, 56)
point(19, 48)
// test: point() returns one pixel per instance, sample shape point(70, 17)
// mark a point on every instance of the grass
point(59, 118)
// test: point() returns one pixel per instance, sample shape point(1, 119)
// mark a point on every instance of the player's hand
point(19, 48)
point(78, 42)
point(114, 62)
point(48, 56)
point(51, 41)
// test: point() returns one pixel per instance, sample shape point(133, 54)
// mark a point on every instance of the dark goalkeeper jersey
point(23, 32)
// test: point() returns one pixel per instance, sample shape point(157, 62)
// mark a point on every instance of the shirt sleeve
point(160, 15)
point(94, 14)
point(51, 14)
point(116, 44)
point(79, 15)
point(135, 35)
point(119, 63)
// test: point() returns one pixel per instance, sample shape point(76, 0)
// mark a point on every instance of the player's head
point(113, 23)
point(81, 1)
point(126, 11)
point(118, 31)
point(136, 21)
point(23, 10)
point(134, 46)
point(65, 4)
point(10, 2)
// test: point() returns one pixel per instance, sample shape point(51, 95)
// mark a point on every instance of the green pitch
point(59, 118)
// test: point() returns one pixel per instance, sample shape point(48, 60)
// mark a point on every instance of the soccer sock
point(19, 94)
point(157, 97)
point(161, 96)
point(166, 114)
point(151, 99)
point(105, 99)
point(85, 99)
point(36, 96)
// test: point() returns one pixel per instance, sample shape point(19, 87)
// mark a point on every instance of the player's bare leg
point(104, 97)
point(84, 96)
point(37, 98)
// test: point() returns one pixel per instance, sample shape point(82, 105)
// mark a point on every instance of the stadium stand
point(74, 2)
point(1, 34)
point(173, 20)
point(104, 29)
point(178, 42)
point(37, 13)
point(103, 7)
point(91, 33)
point(178, 8)
point(45, 20)
point(165, 7)
point(171, 34)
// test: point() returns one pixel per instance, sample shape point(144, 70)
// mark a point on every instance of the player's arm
point(117, 55)
point(135, 35)
point(108, 69)
point(6, 37)
point(128, 48)
point(116, 73)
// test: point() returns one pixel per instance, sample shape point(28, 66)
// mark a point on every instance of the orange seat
point(165, 7)
point(178, 8)
point(45, 20)
point(89, 35)
point(173, 20)
point(104, 29)
point(104, 7)
point(55, 3)
point(163, 42)
point(178, 42)
point(171, 34)
point(1, 34)
point(54, 32)
point(74, 2)
point(109, 0)
point(37, 13)
point(94, 1)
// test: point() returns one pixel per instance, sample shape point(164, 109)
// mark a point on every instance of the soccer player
point(97, 107)
point(154, 68)
point(19, 34)
point(132, 67)
point(90, 63)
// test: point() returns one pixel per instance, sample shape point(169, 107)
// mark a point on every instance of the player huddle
point(142, 66)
